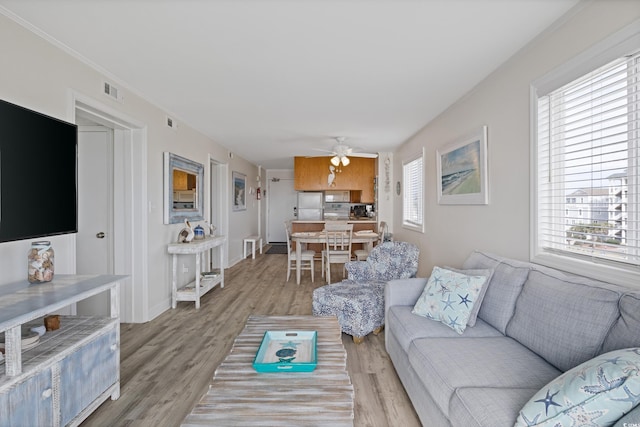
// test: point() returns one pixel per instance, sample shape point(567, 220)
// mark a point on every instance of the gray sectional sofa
point(534, 324)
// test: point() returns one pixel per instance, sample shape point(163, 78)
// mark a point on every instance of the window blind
point(588, 164)
point(412, 206)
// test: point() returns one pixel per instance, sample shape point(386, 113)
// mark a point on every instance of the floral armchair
point(387, 261)
point(358, 302)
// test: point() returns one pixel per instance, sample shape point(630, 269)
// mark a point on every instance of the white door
point(282, 199)
point(94, 240)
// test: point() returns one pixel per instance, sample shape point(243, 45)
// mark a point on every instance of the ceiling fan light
point(335, 161)
point(345, 160)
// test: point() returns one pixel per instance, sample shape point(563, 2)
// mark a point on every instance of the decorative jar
point(198, 233)
point(40, 260)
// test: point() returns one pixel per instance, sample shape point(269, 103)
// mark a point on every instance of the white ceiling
point(270, 79)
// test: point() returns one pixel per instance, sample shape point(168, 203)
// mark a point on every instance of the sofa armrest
point(631, 419)
point(403, 291)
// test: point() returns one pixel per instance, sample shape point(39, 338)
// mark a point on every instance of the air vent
point(112, 92)
point(172, 123)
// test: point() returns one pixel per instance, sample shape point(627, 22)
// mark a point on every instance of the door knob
point(100, 235)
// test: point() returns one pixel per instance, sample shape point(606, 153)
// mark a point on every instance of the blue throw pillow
point(449, 298)
point(488, 274)
point(595, 393)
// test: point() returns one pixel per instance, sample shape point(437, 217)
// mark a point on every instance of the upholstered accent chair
point(387, 261)
point(358, 302)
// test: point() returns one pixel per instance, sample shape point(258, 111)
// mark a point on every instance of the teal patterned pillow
point(449, 297)
point(595, 393)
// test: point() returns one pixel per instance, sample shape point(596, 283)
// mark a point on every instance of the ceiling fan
point(341, 152)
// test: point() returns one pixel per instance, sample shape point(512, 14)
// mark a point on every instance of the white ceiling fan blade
point(324, 151)
point(367, 155)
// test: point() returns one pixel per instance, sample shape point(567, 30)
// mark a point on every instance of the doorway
point(127, 168)
point(282, 199)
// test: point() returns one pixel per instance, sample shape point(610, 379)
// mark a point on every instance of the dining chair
point(363, 254)
point(337, 249)
point(306, 259)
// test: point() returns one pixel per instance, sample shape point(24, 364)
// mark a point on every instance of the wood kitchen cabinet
point(312, 173)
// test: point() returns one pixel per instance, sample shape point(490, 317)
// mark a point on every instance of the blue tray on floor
point(287, 351)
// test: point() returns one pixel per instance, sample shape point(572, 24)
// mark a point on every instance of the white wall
point(37, 75)
point(243, 223)
point(386, 190)
point(502, 103)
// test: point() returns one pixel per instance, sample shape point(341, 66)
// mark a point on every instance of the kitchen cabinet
point(312, 174)
point(70, 371)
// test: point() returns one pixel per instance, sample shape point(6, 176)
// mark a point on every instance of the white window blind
point(412, 206)
point(588, 167)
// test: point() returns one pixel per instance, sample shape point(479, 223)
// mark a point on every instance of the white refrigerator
point(310, 206)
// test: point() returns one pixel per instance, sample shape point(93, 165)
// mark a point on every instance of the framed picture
point(462, 170)
point(239, 183)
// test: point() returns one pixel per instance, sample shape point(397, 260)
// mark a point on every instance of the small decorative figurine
point(212, 228)
point(332, 176)
point(186, 235)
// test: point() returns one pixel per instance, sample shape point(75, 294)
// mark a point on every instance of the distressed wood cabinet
point(312, 174)
point(72, 370)
point(194, 290)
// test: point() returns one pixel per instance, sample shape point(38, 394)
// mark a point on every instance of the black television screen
point(38, 174)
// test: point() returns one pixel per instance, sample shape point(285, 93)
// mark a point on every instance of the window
point(412, 201)
point(588, 143)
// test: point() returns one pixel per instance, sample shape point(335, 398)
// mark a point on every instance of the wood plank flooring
point(167, 364)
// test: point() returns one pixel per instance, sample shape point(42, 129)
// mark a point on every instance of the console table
point(201, 285)
point(71, 370)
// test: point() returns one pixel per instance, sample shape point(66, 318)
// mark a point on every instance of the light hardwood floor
point(166, 364)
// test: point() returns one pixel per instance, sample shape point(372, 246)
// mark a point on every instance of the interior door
point(94, 240)
point(282, 201)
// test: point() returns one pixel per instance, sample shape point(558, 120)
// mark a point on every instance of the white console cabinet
point(194, 290)
point(72, 370)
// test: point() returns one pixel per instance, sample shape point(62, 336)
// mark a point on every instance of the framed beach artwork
point(462, 170)
point(239, 182)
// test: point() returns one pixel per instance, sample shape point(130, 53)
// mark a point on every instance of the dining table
point(366, 237)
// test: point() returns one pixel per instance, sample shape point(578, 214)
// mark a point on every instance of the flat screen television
point(38, 174)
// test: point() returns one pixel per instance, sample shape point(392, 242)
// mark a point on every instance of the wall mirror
point(183, 189)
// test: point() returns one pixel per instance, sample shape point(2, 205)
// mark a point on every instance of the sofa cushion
point(624, 333)
point(563, 318)
point(449, 298)
point(446, 364)
point(503, 289)
point(487, 273)
point(406, 327)
point(631, 419)
point(488, 407)
point(600, 390)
